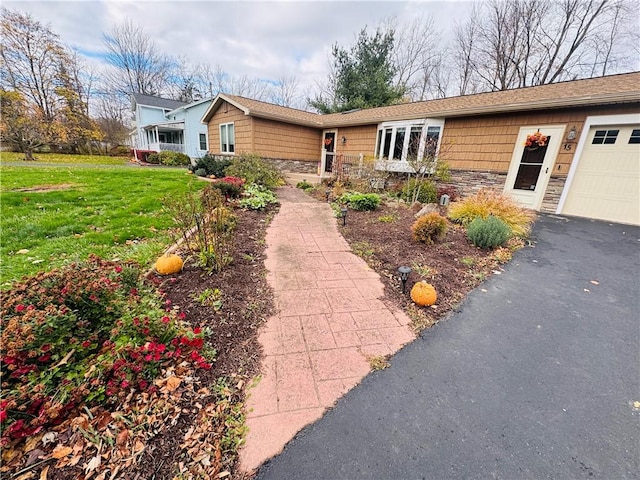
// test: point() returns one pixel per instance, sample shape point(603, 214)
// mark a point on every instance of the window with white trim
point(635, 136)
point(399, 141)
point(203, 141)
point(227, 138)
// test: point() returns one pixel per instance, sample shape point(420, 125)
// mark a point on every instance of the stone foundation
point(469, 182)
point(295, 166)
point(552, 195)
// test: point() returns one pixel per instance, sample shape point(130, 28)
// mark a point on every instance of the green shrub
point(174, 159)
point(254, 169)
point(304, 185)
point(258, 197)
point(428, 191)
point(361, 201)
point(489, 202)
point(153, 158)
point(490, 232)
point(120, 151)
point(212, 165)
point(201, 172)
point(429, 228)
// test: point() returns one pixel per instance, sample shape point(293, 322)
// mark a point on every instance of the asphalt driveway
point(535, 376)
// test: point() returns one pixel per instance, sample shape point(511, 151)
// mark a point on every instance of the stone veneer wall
point(469, 182)
point(295, 166)
point(552, 195)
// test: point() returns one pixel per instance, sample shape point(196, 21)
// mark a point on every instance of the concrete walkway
point(535, 377)
point(330, 322)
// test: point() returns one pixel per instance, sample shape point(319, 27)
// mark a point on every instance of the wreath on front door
point(328, 141)
point(535, 140)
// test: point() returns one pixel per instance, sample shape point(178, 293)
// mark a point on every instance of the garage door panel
point(606, 183)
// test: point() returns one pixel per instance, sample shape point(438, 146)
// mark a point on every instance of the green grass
point(64, 158)
point(113, 212)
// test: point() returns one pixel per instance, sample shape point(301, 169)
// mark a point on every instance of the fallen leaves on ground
point(97, 443)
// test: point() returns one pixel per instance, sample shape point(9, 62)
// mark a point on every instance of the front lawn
point(54, 215)
point(62, 158)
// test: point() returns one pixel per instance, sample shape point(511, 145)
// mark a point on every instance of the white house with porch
point(162, 124)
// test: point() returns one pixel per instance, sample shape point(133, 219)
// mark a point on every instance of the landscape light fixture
point(343, 214)
point(404, 276)
point(327, 192)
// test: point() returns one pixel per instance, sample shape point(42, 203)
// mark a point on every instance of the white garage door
point(606, 183)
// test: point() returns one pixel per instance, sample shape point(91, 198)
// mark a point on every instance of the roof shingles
point(593, 91)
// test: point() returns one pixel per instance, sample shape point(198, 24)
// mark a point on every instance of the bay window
point(398, 144)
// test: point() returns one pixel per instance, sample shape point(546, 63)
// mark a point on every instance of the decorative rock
point(415, 207)
point(428, 208)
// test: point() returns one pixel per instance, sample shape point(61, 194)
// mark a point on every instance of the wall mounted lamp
point(344, 139)
point(571, 136)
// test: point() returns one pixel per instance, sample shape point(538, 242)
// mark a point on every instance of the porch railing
point(173, 147)
point(340, 165)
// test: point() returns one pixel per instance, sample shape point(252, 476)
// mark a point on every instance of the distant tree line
point(50, 97)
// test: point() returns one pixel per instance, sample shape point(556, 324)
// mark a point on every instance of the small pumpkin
point(169, 264)
point(423, 294)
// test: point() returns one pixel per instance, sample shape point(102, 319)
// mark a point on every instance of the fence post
point(360, 164)
point(323, 162)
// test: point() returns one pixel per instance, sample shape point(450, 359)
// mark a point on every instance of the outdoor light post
point(404, 276)
point(343, 214)
point(327, 192)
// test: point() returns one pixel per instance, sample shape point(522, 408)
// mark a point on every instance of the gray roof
point(152, 101)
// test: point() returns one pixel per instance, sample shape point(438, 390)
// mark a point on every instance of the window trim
point(397, 162)
point(605, 136)
point(226, 147)
point(206, 142)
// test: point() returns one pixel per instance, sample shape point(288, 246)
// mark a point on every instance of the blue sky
point(259, 39)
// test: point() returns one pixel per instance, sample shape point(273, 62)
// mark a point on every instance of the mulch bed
point(453, 266)
point(246, 302)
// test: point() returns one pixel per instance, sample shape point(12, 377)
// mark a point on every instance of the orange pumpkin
point(169, 264)
point(423, 294)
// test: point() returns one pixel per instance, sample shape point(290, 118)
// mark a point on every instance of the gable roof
point(265, 110)
point(621, 88)
point(187, 106)
point(152, 101)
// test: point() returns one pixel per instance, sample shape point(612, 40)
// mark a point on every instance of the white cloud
point(259, 39)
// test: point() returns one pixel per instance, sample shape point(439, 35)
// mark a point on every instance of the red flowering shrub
point(230, 187)
point(87, 334)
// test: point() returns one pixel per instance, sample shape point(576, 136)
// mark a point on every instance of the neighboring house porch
point(163, 136)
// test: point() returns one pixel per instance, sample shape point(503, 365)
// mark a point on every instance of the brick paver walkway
point(330, 320)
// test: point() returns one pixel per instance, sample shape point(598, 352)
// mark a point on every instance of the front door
point(329, 145)
point(531, 166)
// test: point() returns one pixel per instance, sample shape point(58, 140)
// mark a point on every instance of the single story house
point(164, 124)
point(589, 165)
